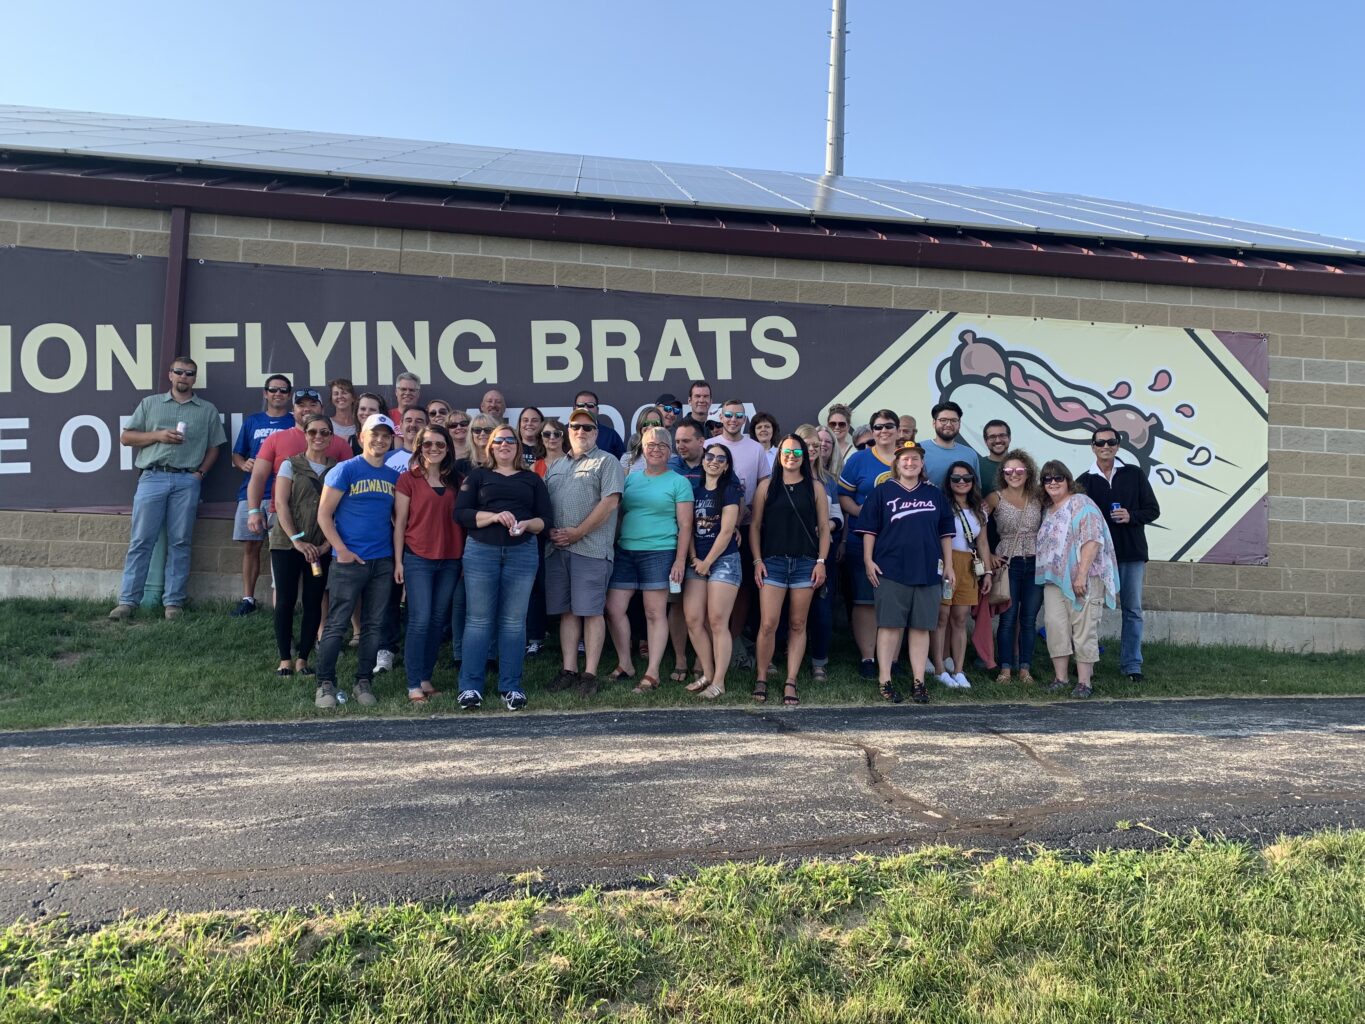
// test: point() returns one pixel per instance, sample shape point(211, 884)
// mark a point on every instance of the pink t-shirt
point(750, 463)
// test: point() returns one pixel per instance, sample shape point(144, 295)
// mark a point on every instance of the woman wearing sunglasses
point(503, 507)
point(1079, 576)
point(713, 569)
point(972, 576)
point(427, 544)
point(481, 427)
point(633, 461)
point(552, 446)
point(457, 423)
point(299, 552)
point(820, 625)
point(1018, 511)
point(438, 411)
point(789, 536)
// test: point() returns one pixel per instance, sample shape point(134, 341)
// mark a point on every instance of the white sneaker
point(383, 661)
point(963, 683)
point(948, 679)
point(948, 665)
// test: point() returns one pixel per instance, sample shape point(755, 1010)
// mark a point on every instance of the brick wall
point(1317, 368)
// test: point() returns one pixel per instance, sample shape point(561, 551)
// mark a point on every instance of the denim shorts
point(787, 573)
point(641, 570)
point(725, 569)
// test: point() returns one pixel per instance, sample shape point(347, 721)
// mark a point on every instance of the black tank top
point(789, 526)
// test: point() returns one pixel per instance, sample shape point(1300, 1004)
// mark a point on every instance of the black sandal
point(919, 693)
point(760, 693)
point(790, 699)
point(889, 693)
point(284, 672)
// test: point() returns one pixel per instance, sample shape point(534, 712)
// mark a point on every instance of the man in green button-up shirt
point(177, 437)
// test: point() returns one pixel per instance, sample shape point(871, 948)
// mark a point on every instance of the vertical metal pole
point(834, 124)
point(173, 299)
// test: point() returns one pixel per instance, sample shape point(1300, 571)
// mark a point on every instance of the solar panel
point(443, 164)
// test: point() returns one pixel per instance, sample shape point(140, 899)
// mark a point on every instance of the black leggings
point(291, 568)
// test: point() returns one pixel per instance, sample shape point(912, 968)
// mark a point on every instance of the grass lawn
point(66, 664)
point(1201, 931)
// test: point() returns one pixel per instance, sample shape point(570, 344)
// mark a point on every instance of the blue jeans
point(1026, 597)
point(820, 624)
point(430, 584)
point(161, 499)
point(1131, 577)
point(498, 584)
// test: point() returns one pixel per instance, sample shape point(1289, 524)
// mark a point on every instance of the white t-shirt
point(400, 459)
point(287, 469)
point(750, 463)
point(344, 432)
point(959, 537)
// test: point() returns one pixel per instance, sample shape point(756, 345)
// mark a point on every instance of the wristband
point(252, 511)
point(300, 535)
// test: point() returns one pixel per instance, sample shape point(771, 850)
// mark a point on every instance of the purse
point(1000, 586)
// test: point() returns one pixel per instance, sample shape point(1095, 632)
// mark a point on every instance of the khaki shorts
point(1073, 630)
point(968, 588)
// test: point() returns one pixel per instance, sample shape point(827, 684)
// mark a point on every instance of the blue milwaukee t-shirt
point(255, 429)
point(862, 472)
point(909, 526)
point(707, 507)
point(364, 516)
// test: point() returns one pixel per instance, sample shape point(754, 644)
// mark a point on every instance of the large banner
point(79, 347)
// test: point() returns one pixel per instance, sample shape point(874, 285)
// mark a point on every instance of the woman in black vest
point(789, 537)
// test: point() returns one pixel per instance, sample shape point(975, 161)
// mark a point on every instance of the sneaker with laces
point(121, 613)
point(534, 647)
point(963, 683)
point(587, 684)
point(363, 693)
point(383, 660)
point(514, 700)
point(470, 700)
point(919, 693)
point(567, 679)
point(245, 606)
point(325, 696)
point(868, 669)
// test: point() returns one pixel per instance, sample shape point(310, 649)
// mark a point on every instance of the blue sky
point(1242, 109)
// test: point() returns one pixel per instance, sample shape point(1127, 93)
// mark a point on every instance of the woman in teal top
point(651, 554)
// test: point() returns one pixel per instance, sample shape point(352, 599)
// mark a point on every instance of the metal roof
point(651, 184)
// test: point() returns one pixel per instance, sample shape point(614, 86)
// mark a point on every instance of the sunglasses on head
point(1106, 442)
point(306, 393)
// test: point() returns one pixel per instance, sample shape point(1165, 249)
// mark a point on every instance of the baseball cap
point(668, 400)
point(909, 446)
point(582, 414)
point(380, 420)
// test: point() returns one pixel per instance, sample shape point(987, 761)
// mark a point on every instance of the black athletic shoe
point(470, 700)
point(244, 607)
point(1135, 677)
point(868, 669)
point(567, 679)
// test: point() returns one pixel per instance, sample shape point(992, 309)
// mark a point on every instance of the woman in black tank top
point(789, 537)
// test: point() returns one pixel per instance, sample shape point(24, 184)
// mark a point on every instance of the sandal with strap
point(889, 693)
point(621, 675)
point(1005, 677)
point(430, 691)
point(1025, 676)
point(697, 685)
point(760, 693)
point(789, 697)
point(678, 675)
point(712, 692)
point(646, 684)
point(417, 697)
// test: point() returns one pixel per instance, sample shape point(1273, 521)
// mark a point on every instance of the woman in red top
point(428, 544)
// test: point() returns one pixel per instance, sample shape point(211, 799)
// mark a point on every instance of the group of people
point(706, 532)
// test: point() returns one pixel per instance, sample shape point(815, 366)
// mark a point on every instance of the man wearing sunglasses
point(255, 429)
point(280, 446)
point(176, 436)
point(607, 437)
point(1125, 496)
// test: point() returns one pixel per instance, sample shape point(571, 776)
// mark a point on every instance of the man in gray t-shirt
point(585, 489)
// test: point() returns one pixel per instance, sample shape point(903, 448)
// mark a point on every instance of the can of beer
point(180, 427)
point(1114, 507)
point(674, 587)
point(947, 588)
point(316, 567)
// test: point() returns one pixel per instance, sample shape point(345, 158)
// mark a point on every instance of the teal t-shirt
point(650, 503)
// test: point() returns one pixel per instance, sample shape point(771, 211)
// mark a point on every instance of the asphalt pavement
point(101, 821)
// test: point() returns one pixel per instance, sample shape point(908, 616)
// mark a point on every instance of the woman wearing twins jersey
point(907, 528)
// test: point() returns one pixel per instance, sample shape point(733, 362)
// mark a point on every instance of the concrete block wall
point(1314, 587)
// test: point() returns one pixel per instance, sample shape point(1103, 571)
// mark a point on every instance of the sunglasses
point(886, 426)
point(434, 445)
point(1054, 479)
point(582, 426)
point(793, 451)
point(959, 479)
point(497, 441)
point(586, 405)
point(733, 415)
point(652, 423)
point(184, 373)
point(715, 457)
point(279, 391)
point(864, 446)
point(438, 412)
point(318, 433)
point(307, 393)
point(838, 424)
point(457, 424)
point(675, 408)
point(552, 435)
point(480, 430)
point(1109, 442)
point(1015, 472)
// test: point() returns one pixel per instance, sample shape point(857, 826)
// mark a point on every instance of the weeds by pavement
point(67, 664)
point(1201, 931)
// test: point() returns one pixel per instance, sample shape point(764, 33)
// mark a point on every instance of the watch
point(819, 561)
